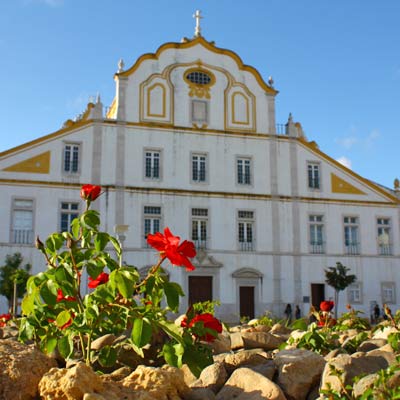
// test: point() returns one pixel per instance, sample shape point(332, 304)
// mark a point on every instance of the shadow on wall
point(3, 305)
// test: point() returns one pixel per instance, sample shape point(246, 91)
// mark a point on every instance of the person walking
point(377, 313)
point(297, 312)
point(288, 312)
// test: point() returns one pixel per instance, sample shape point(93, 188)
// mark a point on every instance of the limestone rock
point(363, 384)
point(268, 369)
point(105, 340)
point(384, 333)
point(356, 364)
point(243, 358)
point(21, 369)
point(212, 377)
point(221, 344)
point(264, 340)
point(298, 371)
point(236, 340)
point(280, 329)
point(245, 384)
point(371, 344)
point(201, 394)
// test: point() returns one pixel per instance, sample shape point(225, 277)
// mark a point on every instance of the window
point(152, 221)
point(199, 112)
point(243, 171)
point(351, 243)
point(71, 158)
point(199, 227)
point(316, 224)
point(199, 167)
point(22, 221)
point(388, 292)
point(199, 78)
point(313, 175)
point(354, 294)
point(383, 230)
point(69, 211)
point(245, 230)
point(152, 164)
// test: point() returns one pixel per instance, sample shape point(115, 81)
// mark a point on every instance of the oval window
point(199, 78)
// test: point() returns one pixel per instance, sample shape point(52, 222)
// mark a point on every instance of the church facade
point(191, 142)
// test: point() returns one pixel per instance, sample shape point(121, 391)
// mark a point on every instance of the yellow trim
point(200, 40)
point(234, 121)
point(312, 147)
point(39, 164)
point(197, 90)
point(149, 90)
point(190, 193)
point(339, 185)
point(112, 111)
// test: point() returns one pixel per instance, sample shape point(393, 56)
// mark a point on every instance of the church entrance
point(317, 294)
point(246, 299)
point(200, 289)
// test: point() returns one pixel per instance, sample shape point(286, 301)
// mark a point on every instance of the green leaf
point(141, 332)
point(90, 220)
point(172, 291)
point(300, 324)
point(75, 227)
point(54, 242)
point(63, 318)
point(101, 240)
point(197, 359)
point(49, 292)
point(65, 346)
point(28, 303)
point(50, 344)
point(150, 284)
point(107, 356)
point(116, 245)
point(173, 354)
point(122, 281)
point(171, 330)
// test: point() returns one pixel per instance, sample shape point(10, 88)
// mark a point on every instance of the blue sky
point(335, 64)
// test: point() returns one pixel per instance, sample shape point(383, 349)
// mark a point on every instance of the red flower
point(168, 245)
point(326, 305)
point(60, 296)
point(208, 321)
point(3, 319)
point(90, 192)
point(329, 322)
point(94, 282)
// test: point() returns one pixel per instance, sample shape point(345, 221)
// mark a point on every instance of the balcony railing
point(22, 236)
point(385, 250)
point(352, 248)
point(317, 247)
point(200, 244)
point(246, 246)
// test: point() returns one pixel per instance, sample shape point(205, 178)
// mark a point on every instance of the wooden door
point(200, 289)
point(317, 294)
point(246, 295)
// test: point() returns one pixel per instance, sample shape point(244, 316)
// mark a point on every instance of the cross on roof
point(197, 30)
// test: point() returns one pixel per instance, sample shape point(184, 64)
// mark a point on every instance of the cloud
point(347, 142)
point(373, 135)
point(366, 141)
point(344, 161)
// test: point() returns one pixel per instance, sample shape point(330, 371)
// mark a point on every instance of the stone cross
point(197, 30)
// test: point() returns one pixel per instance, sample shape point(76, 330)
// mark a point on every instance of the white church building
point(191, 142)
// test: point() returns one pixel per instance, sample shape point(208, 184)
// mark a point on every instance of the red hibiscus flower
point(208, 321)
point(3, 319)
point(326, 305)
point(90, 192)
point(169, 247)
point(61, 297)
point(94, 282)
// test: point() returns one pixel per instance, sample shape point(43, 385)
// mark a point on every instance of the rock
point(102, 341)
point(165, 383)
point(188, 376)
point(201, 394)
point(268, 369)
point(221, 344)
point(356, 364)
point(280, 329)
point(314, 393)
point(371, 344)
point(243, 358)
point(385, 332)
point(236, 340)
point(93, 396)
point(265, 340)
point(120, 374)
point(262, 328)
point(245, 384)
point(212, 377)
point(363, 384)
point(334, 353)
point(21, 369)
point(298, 371)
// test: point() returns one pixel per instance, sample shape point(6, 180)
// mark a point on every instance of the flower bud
point(39, 244)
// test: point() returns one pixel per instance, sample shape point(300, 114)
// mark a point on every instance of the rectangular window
point(388, 292)
point(313, 175)
point(71, 158)
point(199, 167)
point(152, 221)
point(384, 239)
point(22, 221)
point(246, 230)
point(199, 112)
point(69, 211)
point(351, 241)
point(316, 226)
point(243, 171)
point(199, 227)
point(152, 164)
point(354, 293)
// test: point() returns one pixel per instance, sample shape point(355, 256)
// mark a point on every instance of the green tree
point(13, 273)
point(337, 278)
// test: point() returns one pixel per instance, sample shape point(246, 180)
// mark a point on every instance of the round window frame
point(202, 70)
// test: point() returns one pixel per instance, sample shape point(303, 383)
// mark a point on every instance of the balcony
point(200, 244)
point(317, 248)
point(385, 250)
point(22, 236)
point(352, 249)
point(246, 246)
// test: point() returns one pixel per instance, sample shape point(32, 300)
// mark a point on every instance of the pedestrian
point(288, 312)
point(297, 312)
point(377, 313)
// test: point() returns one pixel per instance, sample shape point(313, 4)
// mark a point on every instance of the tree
point(13, 277)
point(337, 278)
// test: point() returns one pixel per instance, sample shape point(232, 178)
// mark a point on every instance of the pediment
point(248, 273)
point(204, 260)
